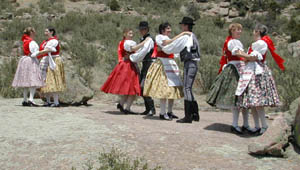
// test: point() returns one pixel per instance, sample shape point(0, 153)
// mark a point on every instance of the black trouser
point(149, 103)
point(190, 71)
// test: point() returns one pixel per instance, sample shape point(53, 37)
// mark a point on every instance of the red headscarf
point(272, 49)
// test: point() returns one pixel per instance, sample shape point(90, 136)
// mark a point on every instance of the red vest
point(26, 41)
point(156, 53)
point(227, 55)
point(43, 44)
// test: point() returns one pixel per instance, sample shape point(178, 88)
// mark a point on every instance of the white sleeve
point(142, 52)
point(52, 45)
point(128, 44)
point(179, 44)
point(259, 49)
point(234, 45)
point(34, 48)
point(159, 40)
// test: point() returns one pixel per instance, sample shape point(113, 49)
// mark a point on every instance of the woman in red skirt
point(124, 79)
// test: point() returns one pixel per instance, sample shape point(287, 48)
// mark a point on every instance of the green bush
point(8, 69)
point(114, 5)
point(51, 6)
point(117, 160)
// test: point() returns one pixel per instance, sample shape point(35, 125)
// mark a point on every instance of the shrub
point(219, 21)
point(114, 5)
point(51, 6)
point(117, 160)
point(208, 70)
point(8, 69)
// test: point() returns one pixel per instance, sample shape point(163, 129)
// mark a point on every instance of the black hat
point(187, 21)
point(143, 25)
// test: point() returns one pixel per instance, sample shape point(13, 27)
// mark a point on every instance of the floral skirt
point(55, 79)
point(28, 73)
point(261, 91)
point(222, 92)
point(156, 84)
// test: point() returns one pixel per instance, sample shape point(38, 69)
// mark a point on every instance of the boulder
point(224, 4)
point(294, 49)
point(233, 13)
point(78, 92)
point(223, 11)
point(274, 140)
point(296, 126)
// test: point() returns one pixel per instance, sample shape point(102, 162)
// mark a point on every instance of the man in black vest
point(144, 55)
point(190, 59)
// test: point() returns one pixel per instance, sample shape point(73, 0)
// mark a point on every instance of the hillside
point(90, 30)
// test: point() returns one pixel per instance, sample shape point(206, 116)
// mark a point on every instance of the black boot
point(187, 113)
point(196, 116)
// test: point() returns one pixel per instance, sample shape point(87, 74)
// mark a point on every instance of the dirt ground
point(66, 137)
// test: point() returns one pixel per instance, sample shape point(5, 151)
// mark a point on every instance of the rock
point(224, 4)
point(223, 11)
point(273, 141)
point(233, 13)
point(294, 49)
point(77, 91)
point(297, 127)
point(202, 0)
point(26, 16)
point(17, 44)
point(7, 16)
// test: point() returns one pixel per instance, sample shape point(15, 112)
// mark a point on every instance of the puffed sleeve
point(34, 48)
point(52, 44)
point(159, 39)
point(128, 44)
point(142, 52)
point(259, 48)
point(234, 45)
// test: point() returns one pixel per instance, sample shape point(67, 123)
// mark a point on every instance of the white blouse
point(128, 44)
point(139, 55)
point(234, 45)
point(34, 48)
point(159, 39)
point(52, 44)
point(259, 48)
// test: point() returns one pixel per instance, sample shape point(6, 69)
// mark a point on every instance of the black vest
point(148, 55)
point(193, 54)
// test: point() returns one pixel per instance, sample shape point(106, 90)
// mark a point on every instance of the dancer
point(162, 80)
point(190, 59)
point(124, 79)
point(52, 69)
point(28, 73)
point(222, 93)
point(256, 87)
point(144, 56)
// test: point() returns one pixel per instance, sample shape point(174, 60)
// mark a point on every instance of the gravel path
point(66, 137)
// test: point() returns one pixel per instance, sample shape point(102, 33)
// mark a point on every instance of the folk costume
point(28, 73)
point(257, 87)
point(144, 55)
point(222, 92)
point(162, 80)
point(52, 70)
point(190, 59)
point(124, 79)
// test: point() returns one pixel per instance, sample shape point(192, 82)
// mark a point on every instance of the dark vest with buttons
point(148, 55)
point(193, 54)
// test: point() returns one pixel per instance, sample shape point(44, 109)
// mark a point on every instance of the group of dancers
point(40, 68)
point(244, 82)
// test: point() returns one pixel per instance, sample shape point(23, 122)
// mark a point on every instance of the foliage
point(51, 6)
point(9, 68)
point(219, 21)
point(114, 5)
point(117, 160)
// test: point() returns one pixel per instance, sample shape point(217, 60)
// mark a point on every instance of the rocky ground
point(66, 137)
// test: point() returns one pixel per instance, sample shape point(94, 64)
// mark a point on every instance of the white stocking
point(255, 117)
point(123, 99)
point(245, 117)
point(55, 97)
point(25, 94)
point(262, 116)
point(170, 105)
point(235, 112)
point(163, 103)
point(129, 102)
point(32, 92)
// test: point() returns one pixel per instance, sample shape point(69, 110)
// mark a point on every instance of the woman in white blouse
point(28, 73)
point(162, 80)
point(259, 89)
point(222, 93)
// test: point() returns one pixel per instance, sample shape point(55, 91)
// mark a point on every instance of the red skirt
point(123, 80)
